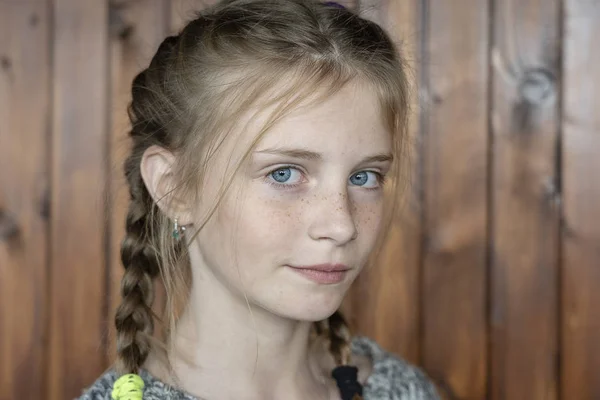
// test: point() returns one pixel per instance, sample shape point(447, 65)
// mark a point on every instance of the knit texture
point(391, 379)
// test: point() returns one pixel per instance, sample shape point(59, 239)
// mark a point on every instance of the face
point(311, 193)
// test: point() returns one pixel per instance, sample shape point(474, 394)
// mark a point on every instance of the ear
point(156, 168)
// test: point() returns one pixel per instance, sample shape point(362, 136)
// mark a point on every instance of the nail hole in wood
point(34, 20)
point(5, 62)
point(8, 226)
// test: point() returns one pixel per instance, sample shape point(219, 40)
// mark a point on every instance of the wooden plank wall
point(455, 208)
point(77, 227)
point(25, 105)
point(580, 181)
point(489, 278)
point(524, 212)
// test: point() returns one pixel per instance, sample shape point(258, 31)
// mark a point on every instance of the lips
point(323, 267)
point(326, 274)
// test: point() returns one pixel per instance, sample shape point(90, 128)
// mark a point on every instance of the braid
point(335, 332)
point(339, 338)
point(134, 318)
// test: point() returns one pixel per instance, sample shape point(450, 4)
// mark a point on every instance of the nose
point(333, 218)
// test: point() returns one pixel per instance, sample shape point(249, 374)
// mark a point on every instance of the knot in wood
point(537, 86)
point(8, 226)
point(118, 26)
point(5, 62)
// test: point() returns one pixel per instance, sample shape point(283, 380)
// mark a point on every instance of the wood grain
point(24, 105)
point(136, 31)
point(581, 193)
point(525, 200)
point(455, 174)
point(78, 258)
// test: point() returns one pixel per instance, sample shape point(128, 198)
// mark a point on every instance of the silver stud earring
point(178, 230)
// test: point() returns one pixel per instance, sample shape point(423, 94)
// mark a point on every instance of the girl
point(268, 143)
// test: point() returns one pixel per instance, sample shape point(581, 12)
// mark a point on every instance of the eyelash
point(380, 177)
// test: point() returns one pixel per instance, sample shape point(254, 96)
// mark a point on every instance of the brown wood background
point(490, 280)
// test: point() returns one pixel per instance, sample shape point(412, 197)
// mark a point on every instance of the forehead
point(350, 121)
point(343, 129)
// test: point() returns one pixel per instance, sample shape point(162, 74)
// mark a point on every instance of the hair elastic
point(334, 4)
point(128, 387)
point(346, 377)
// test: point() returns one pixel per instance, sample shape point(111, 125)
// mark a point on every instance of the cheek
point(269, 217)
point(264, 228)
point(368, 217)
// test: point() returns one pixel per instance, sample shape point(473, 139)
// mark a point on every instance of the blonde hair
point(198, 84)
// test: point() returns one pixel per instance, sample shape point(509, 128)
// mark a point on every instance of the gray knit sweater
point(391, 379)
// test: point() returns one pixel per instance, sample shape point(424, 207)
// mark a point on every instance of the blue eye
point(281, 176)
point(362, 178)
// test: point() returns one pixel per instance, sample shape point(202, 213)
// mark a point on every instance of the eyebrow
point(313, 156)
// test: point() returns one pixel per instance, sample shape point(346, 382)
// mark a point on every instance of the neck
point(224, 348)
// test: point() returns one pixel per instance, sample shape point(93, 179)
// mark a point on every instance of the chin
point(314, 308)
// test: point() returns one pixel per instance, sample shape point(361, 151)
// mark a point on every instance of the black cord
point(346, 377)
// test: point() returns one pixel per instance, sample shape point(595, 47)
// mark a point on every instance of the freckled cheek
point(368, 217)
point(273, 217)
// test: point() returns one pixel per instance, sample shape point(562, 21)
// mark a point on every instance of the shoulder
point(101, 389)
point(392, 378)
point(154, 389)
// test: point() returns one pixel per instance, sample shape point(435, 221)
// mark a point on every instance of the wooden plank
point(581, 194)
point(391, 286)
point(24, 105)
point(136, 30)
point(183, 11)
point(78, 270)
point(525, 207)
point(455, 175)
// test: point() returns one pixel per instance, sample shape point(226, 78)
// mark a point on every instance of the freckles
point(368, 217)
point(280, 215)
